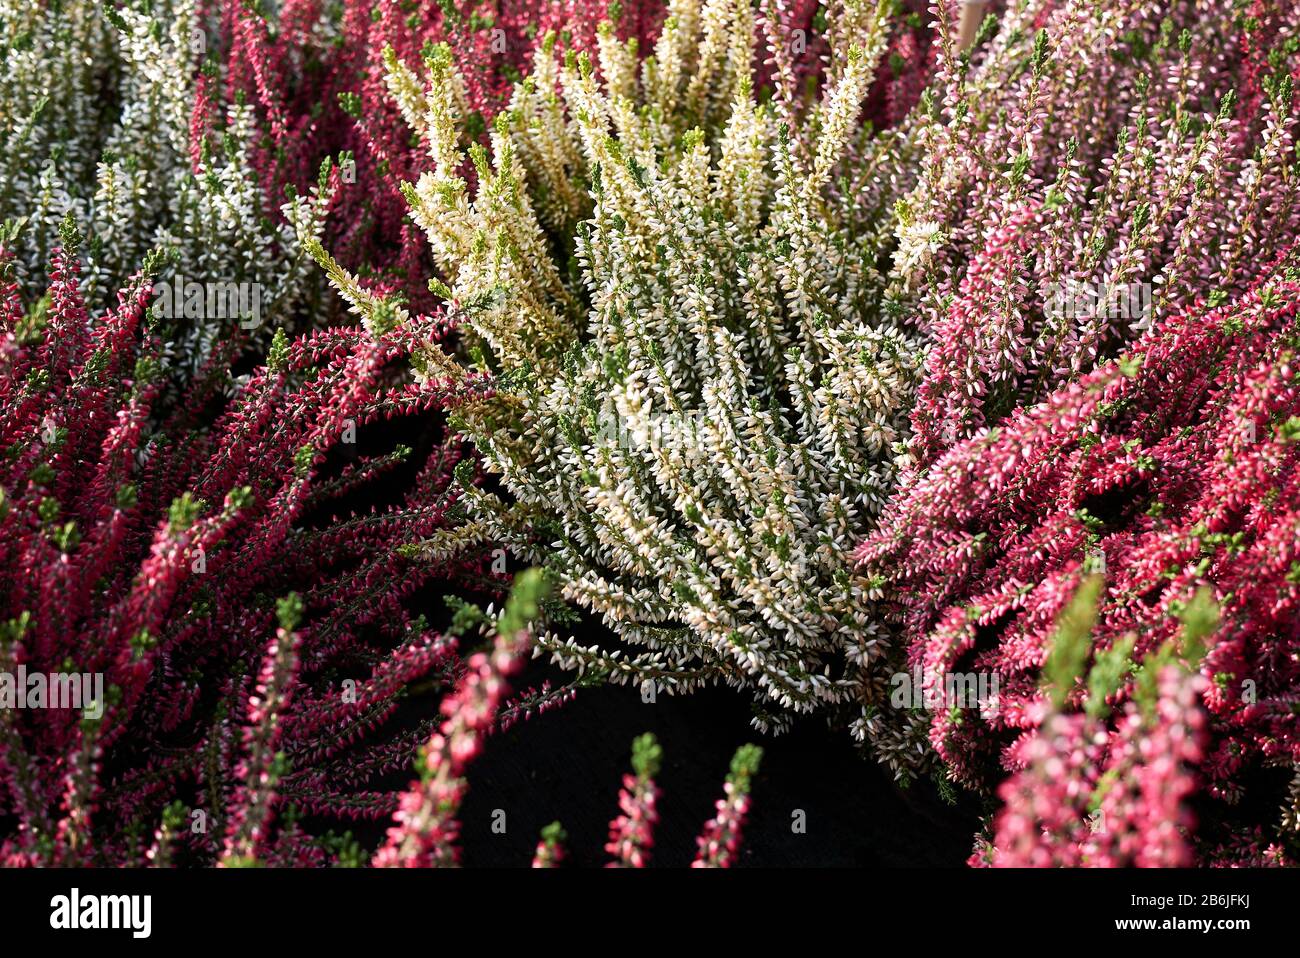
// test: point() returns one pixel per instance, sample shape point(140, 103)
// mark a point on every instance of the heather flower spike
point(263, 765)
point(631, 834)
point(425, 830)
point(550, 850)
point(720, 839)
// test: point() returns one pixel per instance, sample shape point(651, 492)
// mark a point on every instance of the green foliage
point(647, 756)
point(1072, 642)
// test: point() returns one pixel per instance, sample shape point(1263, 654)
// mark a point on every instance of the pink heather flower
point(1044, 819)
point(1170, 470)
point(719, 842)
point(631, 834)
point(1091, 796)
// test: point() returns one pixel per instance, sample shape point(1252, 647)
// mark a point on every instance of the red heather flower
point(1170, 470)
point(631, 834)
point(147, 530)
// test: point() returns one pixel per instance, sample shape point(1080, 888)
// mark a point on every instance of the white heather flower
point(125, 172)
point(698, 411)
point(917, 242)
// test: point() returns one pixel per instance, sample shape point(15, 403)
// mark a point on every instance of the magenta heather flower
point(425, 830)
point(631, 834)
point(262, 767)
point(1170, 470)
point(148, 528)
point(720, 839)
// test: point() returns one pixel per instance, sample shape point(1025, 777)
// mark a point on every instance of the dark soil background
point(568, 765)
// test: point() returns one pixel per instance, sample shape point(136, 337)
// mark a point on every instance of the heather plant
point(210, 560)
point(689, 482)
point(696, 407)
point(425, 830)
point(1168, 471)
point(631, 834)
point(1086, 167)
point(95, 120)
point(1090, 792)
point(313, 77)
point(719, 842)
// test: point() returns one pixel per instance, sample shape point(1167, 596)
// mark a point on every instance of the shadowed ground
point(568, 765)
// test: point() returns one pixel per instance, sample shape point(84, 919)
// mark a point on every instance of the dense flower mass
point(95, 108)
point(693, 420)
point(1090, 168)
point(1164, 476)
point(1089, 797)
point(929, 368)
point(147, 539)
